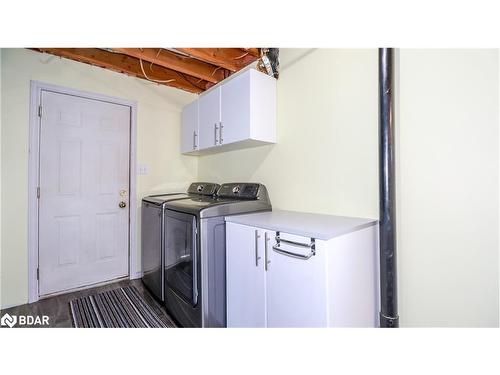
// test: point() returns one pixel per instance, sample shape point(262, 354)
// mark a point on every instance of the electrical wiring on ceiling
point(242, 56)
point(219, 67)
point(142, 67)
point(183, 77)
point(201, 79)
point(151, 79)
point(158, 54)
point(195, 84)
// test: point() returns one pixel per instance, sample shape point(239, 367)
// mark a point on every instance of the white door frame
point(34, 173)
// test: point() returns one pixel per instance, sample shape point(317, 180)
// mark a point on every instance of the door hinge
point(38, 192)
point(38, 273)
point(39, 111)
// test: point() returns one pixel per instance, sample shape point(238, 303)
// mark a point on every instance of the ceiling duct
point(270, 62)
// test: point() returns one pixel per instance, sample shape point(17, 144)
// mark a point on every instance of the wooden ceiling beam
point(129, 65)
point(183, 64)
point(232, 59)
point(255, 52)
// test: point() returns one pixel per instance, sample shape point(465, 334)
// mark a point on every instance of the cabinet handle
point(220, 132)
point(312, 246)
point(215, 133)
point(279, 250)
point(294, 243)
point(257, 257)
point(266, 258)
point(194, 140)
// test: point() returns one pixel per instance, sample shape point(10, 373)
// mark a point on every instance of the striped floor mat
point(118, 308)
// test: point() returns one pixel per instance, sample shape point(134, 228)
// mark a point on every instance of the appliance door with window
point(151, 245)
point(182, 268)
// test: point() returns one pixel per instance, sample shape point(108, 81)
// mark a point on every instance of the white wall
point(448, 188)
point(325, 161)
point(158, 134)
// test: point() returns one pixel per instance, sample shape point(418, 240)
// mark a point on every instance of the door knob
point(122, 204)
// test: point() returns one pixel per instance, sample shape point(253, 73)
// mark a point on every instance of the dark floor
point(57, 308)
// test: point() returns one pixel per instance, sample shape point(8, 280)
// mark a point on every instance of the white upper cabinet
point(190, 134)
point(209, 118)
point(235, 113)
point(239, 112)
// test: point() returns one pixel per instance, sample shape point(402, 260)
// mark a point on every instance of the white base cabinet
point(245, 278)
point(301, 282)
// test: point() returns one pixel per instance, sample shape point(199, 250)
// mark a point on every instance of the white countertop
point(319, 226)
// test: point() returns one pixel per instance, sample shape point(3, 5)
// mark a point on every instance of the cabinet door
point(209, 118)
point(235, 109)
point(296, 288)
point(189, 132)
point(245, 276)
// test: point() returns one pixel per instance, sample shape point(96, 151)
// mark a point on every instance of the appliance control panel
point(203, 188)
point(239, 190)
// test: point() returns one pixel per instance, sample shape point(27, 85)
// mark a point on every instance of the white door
point(296, 288)
point(189, 140)
point(84, 175)
point(235, 109)
point(209, 119)
point(245, 276)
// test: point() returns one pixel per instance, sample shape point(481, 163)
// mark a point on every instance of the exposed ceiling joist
point(183, 64)
point(131, 66)
point(232, 59)
point(190, 69)
point(255, 52)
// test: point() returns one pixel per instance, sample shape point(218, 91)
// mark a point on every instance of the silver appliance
point(195, 251)
point(153, 231)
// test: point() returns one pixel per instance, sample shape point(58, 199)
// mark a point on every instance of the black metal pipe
point(387, 192)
